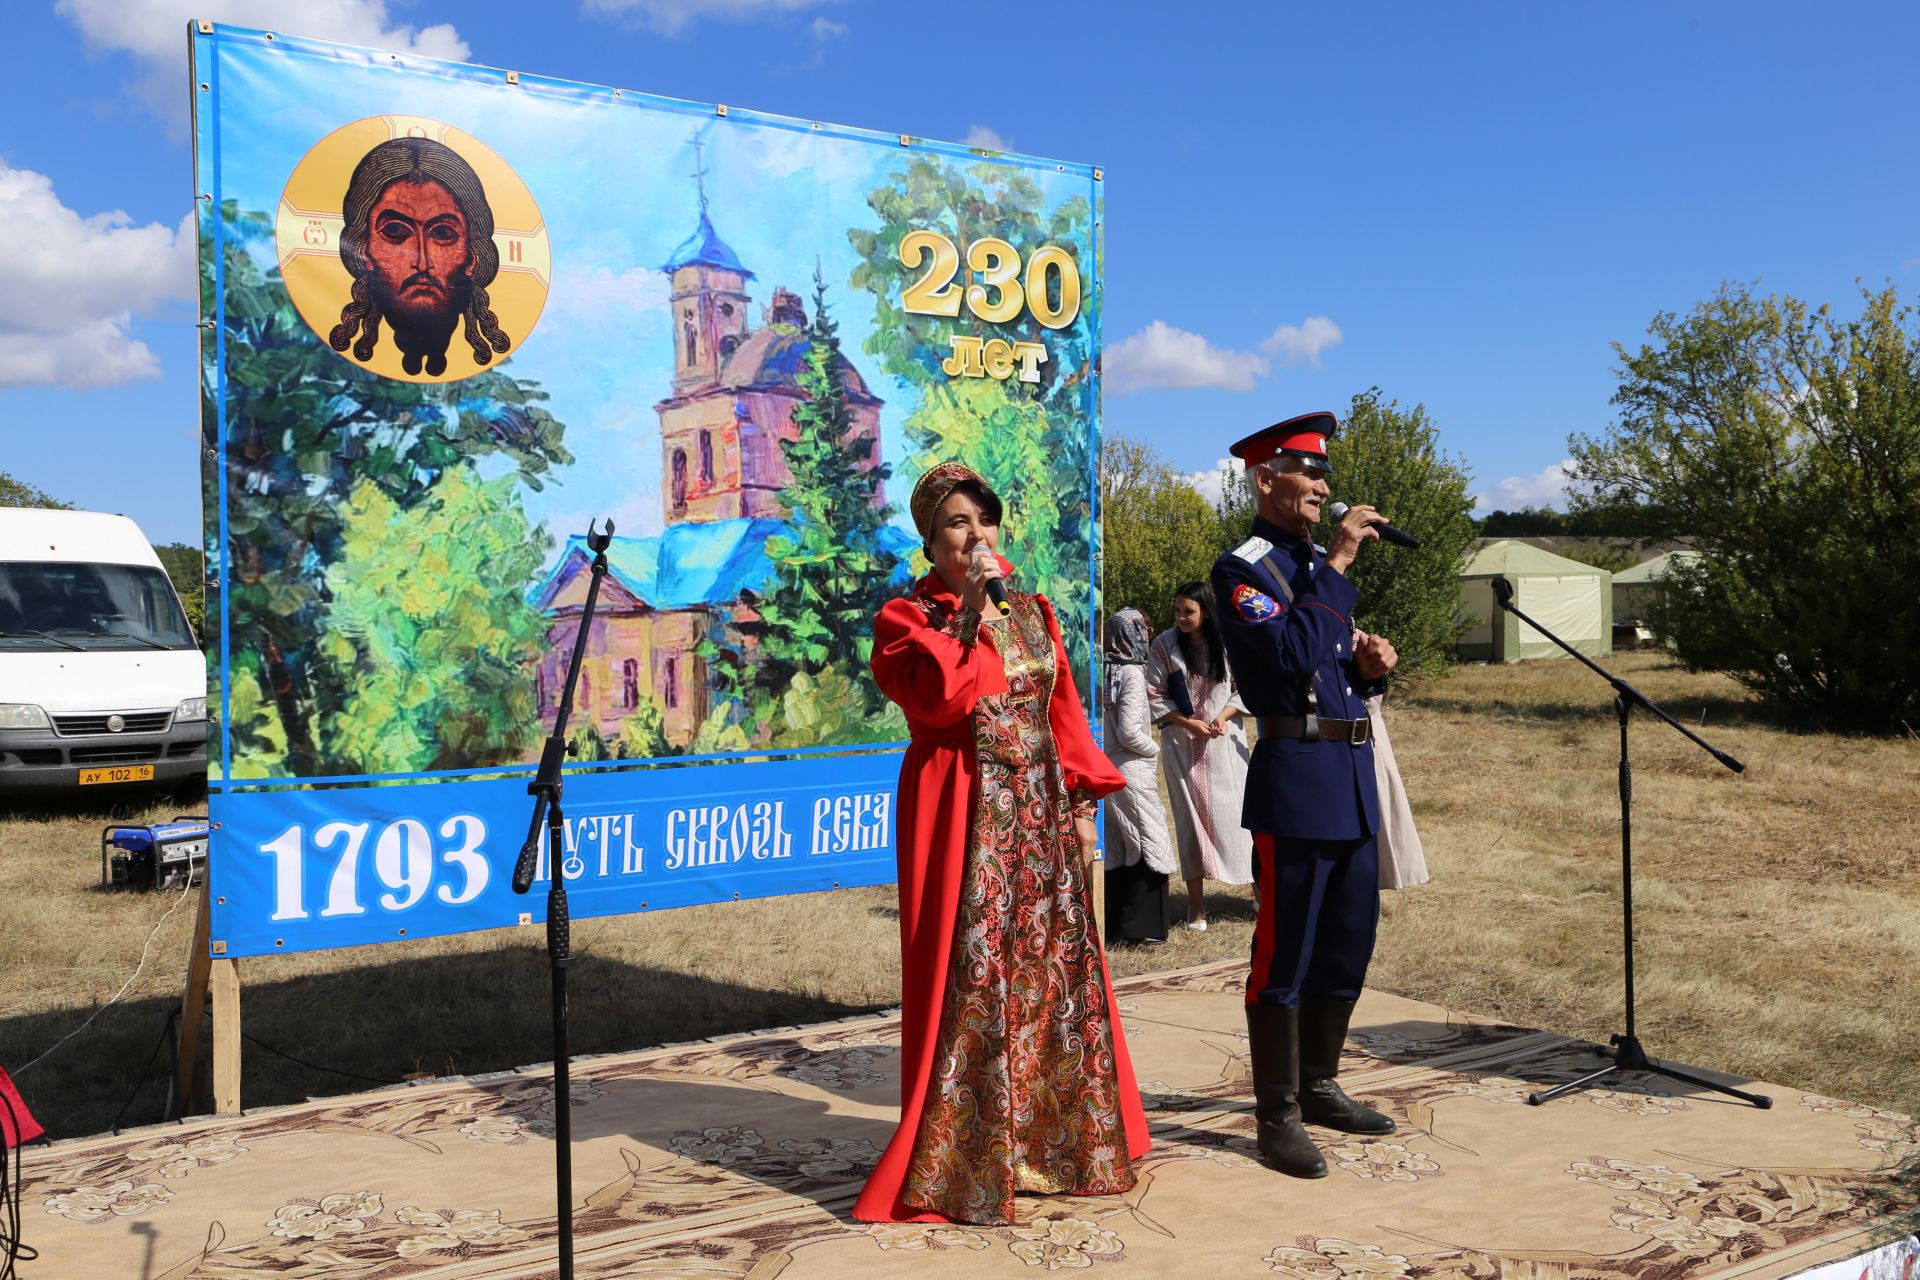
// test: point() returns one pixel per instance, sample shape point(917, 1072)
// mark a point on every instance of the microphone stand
point(545, 788)
point(1627, 1054)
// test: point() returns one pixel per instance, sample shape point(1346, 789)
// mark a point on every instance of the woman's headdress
point(934, 487)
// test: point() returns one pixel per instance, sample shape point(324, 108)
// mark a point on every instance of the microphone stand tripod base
point(1627, 1055)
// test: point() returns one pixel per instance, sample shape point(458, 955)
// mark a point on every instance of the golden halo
point(307, 230)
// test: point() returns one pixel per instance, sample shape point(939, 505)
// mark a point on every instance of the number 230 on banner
point(1049, 291)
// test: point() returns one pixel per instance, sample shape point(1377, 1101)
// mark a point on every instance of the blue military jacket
point(1321, 790)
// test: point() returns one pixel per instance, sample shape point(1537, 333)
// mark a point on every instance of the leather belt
point(1351, 731)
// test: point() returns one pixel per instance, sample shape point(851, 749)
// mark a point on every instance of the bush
point(1157, 532)
point(1787, 442)
point(1391, 457)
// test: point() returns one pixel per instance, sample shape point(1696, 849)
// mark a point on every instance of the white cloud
point(1546, 488)
point(1209, 480)
point(825, 29)
point(154, 31)
point(670, 17)
point(1293, 345)
point(985, 139)
point(1163, 357)
point(71, 286)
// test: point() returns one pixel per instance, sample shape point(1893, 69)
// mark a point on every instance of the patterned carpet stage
point(741, 1157)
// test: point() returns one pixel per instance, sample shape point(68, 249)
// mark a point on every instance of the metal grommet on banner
point(206, 27)
point(513, 77)
point(720, 108)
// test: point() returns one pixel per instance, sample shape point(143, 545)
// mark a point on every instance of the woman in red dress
point(1014, 1074)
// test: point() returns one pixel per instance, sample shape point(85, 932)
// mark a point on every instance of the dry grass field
point(1778, 914)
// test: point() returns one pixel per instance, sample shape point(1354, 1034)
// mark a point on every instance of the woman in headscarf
point(1139, 853)
point(1014, 1074)
point(1203, 749)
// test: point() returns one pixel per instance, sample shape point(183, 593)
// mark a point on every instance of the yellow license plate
point(119, 773)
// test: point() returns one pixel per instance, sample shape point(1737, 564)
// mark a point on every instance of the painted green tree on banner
point(832, 574)
point(1032, 441)
point(317, 451)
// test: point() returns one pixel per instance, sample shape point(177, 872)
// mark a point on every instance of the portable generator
point(153, 857)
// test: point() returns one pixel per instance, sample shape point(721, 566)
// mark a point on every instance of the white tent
point(1635, 589)
point(1571, 599)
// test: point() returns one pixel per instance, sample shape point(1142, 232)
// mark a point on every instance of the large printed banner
point(452, 314)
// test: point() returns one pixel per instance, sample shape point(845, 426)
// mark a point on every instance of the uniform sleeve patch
point(1254, 605)
point(1253, 550)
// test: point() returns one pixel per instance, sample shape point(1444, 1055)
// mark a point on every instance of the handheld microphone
point(996, 587)
point(1388, 533)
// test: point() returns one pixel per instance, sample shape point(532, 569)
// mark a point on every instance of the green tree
point(1604, 555)
point(643, 735)
point(1156, 531)
point(432, 644)
point(1527, 522)
point(1032, 441)
point(833, 573)
point(1391, 457)
point(185, 568)
point(1786, 441)
point(305, 428)
point(1234, 509)
point(18, 493)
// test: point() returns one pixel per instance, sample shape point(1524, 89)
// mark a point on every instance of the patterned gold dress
point(1025, 1084)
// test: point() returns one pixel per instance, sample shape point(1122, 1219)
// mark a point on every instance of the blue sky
point(1464, 205)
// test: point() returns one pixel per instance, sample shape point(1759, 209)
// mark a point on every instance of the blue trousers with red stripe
point(1319, 911)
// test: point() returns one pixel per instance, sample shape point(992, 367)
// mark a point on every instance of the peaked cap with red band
point(1303, 437)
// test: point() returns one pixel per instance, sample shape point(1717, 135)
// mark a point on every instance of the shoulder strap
point(1272, 561)
point(1276, 570)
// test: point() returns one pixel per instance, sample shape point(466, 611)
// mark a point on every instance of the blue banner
point(450, 314)
point(309, 869)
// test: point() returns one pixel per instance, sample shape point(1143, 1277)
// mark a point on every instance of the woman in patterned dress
point(1203, 749)
point(1014, 1074)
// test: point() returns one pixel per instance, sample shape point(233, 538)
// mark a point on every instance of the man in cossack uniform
point(1286, 616)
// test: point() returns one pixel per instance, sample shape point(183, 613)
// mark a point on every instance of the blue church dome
point(705, 248)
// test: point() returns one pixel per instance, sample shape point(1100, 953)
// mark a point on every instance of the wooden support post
point(186, 1058)
point(225, 985)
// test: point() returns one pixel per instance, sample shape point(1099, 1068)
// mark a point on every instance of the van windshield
point(50, 605)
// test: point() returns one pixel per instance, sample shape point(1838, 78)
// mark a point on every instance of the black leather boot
point(1323, 1030)
point(1273, 1034)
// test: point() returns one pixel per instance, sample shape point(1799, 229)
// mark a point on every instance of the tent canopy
point(1635, 589)
point(1573, 600)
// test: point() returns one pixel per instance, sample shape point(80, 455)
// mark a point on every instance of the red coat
point(935, 679)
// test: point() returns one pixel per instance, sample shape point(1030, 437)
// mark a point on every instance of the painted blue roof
point(688, 565)
point(705, 248)
point(695, 564)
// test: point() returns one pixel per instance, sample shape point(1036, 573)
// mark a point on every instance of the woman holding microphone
point(1014, 1071)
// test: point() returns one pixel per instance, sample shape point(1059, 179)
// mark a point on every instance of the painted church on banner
point(735, 388)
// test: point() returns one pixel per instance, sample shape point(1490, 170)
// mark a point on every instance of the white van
point(101, 680)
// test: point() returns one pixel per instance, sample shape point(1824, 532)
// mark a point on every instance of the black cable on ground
point(140, 1081)
point(12, 1251)
point(314, 1066)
